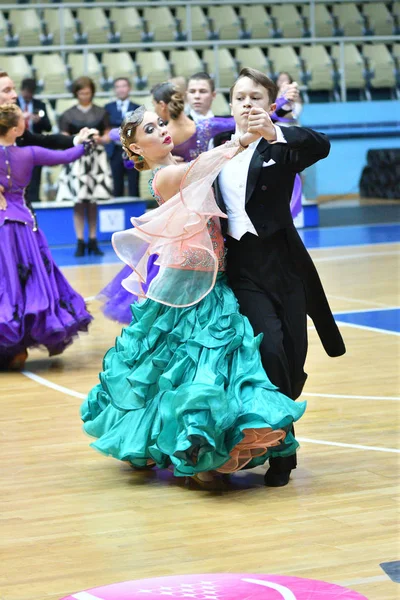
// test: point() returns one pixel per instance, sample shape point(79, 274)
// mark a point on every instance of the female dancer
point(38, 306)
point(89, 179)
point(190, 140)
point(184, 384)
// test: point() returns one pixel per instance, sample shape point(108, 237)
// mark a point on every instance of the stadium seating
point(185, 62)
point(226, 66)
point(349, 19)
point(257, 21)
point(381, 65)
point(353, 64)
point(127, 23)
point(288, 22)
point(319, 68)
point(379, 19)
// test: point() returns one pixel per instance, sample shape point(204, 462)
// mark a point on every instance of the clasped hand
point(259, 124)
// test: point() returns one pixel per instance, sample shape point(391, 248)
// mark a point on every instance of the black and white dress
point(88, 179)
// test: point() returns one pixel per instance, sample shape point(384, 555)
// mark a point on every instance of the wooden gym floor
point(72, 519)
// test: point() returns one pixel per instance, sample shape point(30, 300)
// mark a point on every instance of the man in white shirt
point(200, 95)
point(268, 267)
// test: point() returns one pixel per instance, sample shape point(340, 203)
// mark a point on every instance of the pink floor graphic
point(227, 586)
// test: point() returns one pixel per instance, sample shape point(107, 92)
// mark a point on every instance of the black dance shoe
point(80, 248)
point(93, 248)
point(274, 478)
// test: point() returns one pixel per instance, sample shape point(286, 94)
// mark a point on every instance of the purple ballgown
point(38, 307)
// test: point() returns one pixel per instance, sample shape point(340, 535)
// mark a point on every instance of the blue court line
point(358, 235)
point(321, 237)
point(381, 319)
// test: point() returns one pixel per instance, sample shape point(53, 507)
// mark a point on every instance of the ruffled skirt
point(185, 386)
point(116, 300)
point(38, 306)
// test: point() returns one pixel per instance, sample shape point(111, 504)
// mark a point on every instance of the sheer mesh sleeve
point(49, 158)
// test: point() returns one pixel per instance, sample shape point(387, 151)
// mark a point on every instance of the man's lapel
point(218, 196)
point(254, 168)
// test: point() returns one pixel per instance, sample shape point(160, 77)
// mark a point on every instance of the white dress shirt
point(123, 106)
point(233, 182)
point(199, 117)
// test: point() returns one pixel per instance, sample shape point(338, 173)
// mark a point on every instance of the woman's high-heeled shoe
point(214, 483)
point(93, 248)
point(17, 363)
point(80, 248)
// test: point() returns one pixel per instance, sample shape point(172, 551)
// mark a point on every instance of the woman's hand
point(84, 135)
point(3, 201)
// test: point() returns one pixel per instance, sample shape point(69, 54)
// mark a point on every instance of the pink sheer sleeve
point(177, 232)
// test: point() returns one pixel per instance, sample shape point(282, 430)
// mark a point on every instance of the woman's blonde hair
point(127, 133)
point(9, 117)
point(173, 98)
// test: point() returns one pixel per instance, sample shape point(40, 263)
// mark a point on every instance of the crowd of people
point(217, 284)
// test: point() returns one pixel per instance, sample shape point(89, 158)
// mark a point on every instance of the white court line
point(342, 445)
point(355, 256)
point(85, 596)
point(90, 298)
point(313, 394)
point(358, 301)
point(361, 310)
point(69, 392)
point(355, 326)
point(361, 580)
point(51, 385)
point(102, 264)
point(347, 246)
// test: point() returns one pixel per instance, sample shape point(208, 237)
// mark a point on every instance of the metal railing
point(215, 44)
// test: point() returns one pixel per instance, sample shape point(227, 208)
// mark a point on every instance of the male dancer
point(268, 267)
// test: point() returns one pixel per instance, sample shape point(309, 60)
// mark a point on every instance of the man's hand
point(260, 122)
point(83, 135)
point(35, 118)
point(3, 201)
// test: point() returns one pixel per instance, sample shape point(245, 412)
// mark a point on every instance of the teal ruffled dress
point(182, 385)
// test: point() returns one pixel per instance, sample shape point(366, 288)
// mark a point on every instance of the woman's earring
point(140, 158)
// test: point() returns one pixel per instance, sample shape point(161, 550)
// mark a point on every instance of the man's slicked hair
point(259, 78)
point(203, 76)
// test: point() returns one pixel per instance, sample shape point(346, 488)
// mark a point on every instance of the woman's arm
point(49, 158)
point(170, 178)
point(113, 134)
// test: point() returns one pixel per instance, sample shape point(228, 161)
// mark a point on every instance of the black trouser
point(119, 172)
point(271, 295)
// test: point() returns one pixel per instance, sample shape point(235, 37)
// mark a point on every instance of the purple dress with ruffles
point(38, 306)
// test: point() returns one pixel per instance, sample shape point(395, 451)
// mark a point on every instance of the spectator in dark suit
point(117, 111)
point(36, 121)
